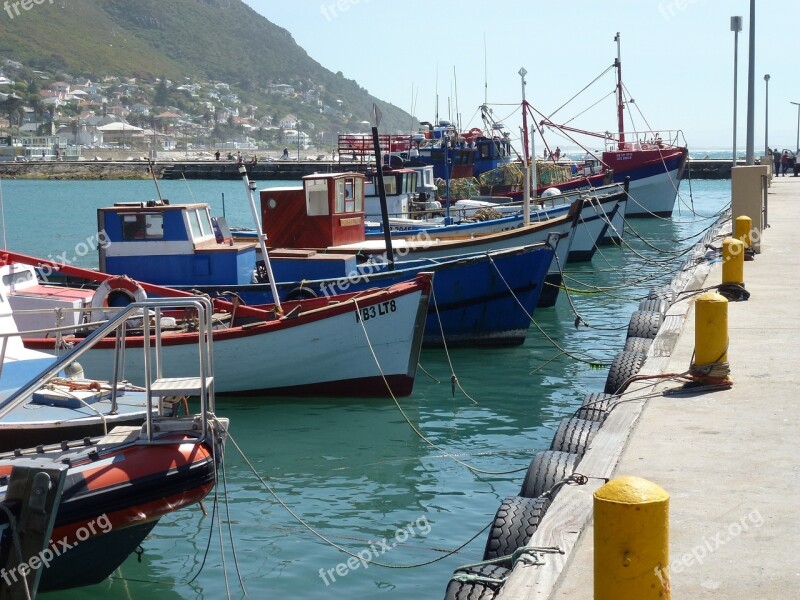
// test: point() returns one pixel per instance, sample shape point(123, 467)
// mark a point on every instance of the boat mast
point(620, 101)
point(526, 204)
point(250, 186)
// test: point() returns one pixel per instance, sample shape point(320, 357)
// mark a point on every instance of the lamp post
point(751, 85)
point(736, 27)
point(298, 141)
point(766, 117)
point(797, 142)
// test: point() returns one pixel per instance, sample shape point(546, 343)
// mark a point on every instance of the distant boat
point(653, 163)
point(118, 486)
point(317, 347)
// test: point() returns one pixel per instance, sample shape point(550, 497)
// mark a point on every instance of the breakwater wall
point(263, 171)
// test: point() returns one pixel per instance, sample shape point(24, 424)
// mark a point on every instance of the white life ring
point(117, 286)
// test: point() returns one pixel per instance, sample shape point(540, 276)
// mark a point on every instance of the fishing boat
point(319, 347)
point(653, 160)
point(118, 486)
point(479, 287)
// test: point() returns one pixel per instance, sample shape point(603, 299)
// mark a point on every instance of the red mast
point(620, 101)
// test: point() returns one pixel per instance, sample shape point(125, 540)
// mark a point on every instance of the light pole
point(298, 141)
point(797, 142)
point(736, 27)
point(751, 87)
point(766, 117)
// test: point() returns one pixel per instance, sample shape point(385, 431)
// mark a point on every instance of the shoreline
point(225, 169)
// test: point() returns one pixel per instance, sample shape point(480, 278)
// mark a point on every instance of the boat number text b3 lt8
point(376, 310)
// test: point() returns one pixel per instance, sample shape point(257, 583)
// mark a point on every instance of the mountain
point(221, 40)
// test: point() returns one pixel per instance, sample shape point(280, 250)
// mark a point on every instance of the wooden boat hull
point(655, 175)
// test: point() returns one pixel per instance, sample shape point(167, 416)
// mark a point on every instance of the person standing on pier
point(776, 158)
point(784, 162)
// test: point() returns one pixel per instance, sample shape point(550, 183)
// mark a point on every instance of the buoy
point(732, 261)
point(631, 541)
point(108, 295)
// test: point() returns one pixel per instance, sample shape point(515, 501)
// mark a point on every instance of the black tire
point(663, 292)
point(637, 344)
point(624, 366)
point(658, 305)
point(301, 293)
point(574, 435)
point(645, 324)
point(596, 407)
point(515, 522)
point(478, 590)
point(547, 468)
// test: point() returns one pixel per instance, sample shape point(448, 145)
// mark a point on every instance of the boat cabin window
point(349, 196)
point(16, 278)
point(148, 226)
point(316, 197)
point(390, 184)
point(200, 223)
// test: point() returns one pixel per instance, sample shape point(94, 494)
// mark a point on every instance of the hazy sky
point(677, 58)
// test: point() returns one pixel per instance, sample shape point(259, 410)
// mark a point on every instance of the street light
point(766, 118)
point(736, 27)
point(797, 142)
point(298, 141)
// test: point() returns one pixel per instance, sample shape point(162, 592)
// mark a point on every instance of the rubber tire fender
point(547, 468)
point(514, 524)
point(477, 590)
point(596, 406)
point(645, 324)
point(624, 366)
point(574, 435)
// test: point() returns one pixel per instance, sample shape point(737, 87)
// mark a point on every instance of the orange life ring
point(124, 286)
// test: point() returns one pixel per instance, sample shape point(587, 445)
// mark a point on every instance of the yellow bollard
point(711, 329)
point(732, 261)
point(631, 541)
point(744, 225)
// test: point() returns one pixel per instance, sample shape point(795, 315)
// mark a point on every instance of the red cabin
point(327, 211)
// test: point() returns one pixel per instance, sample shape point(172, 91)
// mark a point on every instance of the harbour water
point(355, 471)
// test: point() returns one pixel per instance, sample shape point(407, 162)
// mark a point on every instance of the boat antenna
point(620, 99)
point(455, 101)
point(3, 214)
point(150, 165)
point(436, 111)
point(485, 73)
point(250, 186)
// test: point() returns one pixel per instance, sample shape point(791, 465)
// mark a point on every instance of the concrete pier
point(727, 458)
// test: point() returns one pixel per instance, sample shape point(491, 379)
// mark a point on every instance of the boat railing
point(645, 140)
point(157, 387)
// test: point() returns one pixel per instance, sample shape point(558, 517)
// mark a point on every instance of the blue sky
point(677, 58)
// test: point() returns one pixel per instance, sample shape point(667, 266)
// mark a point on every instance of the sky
point(677, 60)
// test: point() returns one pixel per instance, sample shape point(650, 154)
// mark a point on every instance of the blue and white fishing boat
point(477, 289)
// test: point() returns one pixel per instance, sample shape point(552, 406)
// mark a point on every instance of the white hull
point(325, 356)
point(654, 195)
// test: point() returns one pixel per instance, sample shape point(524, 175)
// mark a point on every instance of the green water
point(355, 470)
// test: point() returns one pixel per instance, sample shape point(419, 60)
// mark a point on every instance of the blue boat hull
point(482, 299)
